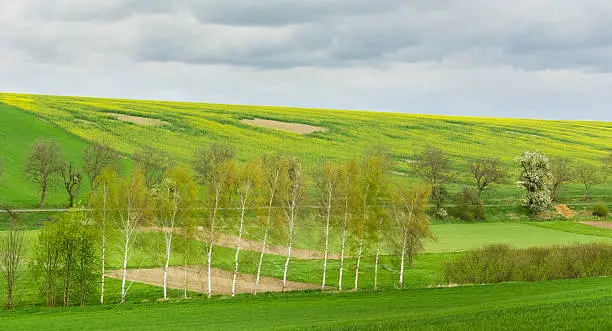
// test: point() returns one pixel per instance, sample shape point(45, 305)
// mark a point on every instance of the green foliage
point(534, 179)
point(501, 263)
point(469, 206)
point(600, 211)
point(65, 259)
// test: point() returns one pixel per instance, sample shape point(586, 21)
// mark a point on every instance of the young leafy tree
point(434, 165)
point(327, 181)
point(348, 177)
point(292, 196)
point(173, 200)
point(131, 207)
point(534, 178)
point(246, 187)
point(102, 196)
point(215, 168)
point(381, 225)
point(86, 267)
point(561, 172)
point(97, 156)
point(274, 178)
point(367, 190)
point(413, 226)
point(72, 181)
point(588, 176)
point(487, 171)
point(45, 265)
point(44, 161)
point(12, 250)
point(153, 164)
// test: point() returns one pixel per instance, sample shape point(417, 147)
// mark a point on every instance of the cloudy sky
point(515, 58)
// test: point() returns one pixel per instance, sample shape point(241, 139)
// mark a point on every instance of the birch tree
point(12, 250)
point(349, 173)
point(292, 198)
point(215, 168)
point(246, 186)
point(102, 196)
point(413, 226)
point(274, 178)
point(43, 163)
point(173, 201)
point(131, 207)
point(367, 188)
point(327, 181)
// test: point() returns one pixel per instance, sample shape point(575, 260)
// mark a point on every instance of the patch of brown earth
point(298, 128)
point(139, 120)
point(565, 211)
point(197, 280)
point(230, 241)
point(600, 224)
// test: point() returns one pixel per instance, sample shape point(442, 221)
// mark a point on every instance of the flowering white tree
point(535, 179)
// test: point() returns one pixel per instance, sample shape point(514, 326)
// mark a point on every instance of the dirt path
point(604, 225)
point(229, 241)
point(197, 280)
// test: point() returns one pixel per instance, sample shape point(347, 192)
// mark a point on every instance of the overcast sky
point(515, 58)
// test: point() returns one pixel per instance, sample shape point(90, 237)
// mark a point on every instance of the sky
point(547, 59)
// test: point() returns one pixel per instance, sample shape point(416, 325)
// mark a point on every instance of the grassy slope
point(555, 305)
point(349, 132)
point(18, 132)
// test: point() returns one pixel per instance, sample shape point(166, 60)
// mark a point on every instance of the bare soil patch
point(599, 224)
point(298, 128)
point(197, 280)
point(139, 120)
point(565, 211)
point(230, 241)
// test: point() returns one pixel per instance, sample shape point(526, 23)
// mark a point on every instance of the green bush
point(469, 206)
point(600, 211)
point(501, 263)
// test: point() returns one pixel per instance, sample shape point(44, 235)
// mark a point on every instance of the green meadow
point(556, 305)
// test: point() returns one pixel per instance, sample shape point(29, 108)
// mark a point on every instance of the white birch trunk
point(265, 240)
point(243, 203)
point(103, 250)
point(401, 274)
point(125, 261)
point(212, 238)
point(326, 253)
point(358, 264)
point(344, 225)
point(376, 261)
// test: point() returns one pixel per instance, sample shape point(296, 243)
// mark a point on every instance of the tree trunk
point(125, 260)
point(343, 243)
point(376, 261)
point(238, 249)
point(326, 253)
point(265, 240)
point(286, 266)
point(185, 276)
point(261, 256)
point(358, 263)
point(168, 252)
point(401, 275)
point(210, 246)
point(43, 193)
point(103, 268)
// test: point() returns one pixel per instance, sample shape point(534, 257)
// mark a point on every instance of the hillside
point(177, 127)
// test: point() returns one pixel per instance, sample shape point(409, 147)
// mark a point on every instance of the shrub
point(500, 263)
point(600, 211)
point(469, 206)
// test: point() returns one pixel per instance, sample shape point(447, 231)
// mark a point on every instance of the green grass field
point(583, 304)
point(72, 121)
point(349, 132)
